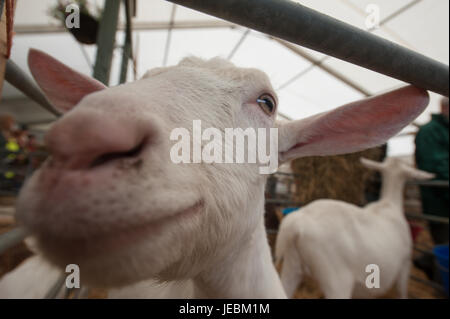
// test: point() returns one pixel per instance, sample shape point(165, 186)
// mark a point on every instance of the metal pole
point(428, 283)
point(319, 64)
point(127, 47)
point(432, 218)
point(11, 238)
point(105, 40)
point(301, 25)
point(300, 74)
point(238, 44)
point(86, 56)
point(137, 26)
point(56, 288)
point(21, 81)
point(436, 183)
point(397, 13)
point(169, 35)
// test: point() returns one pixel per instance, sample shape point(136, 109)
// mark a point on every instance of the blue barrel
point(441, 254)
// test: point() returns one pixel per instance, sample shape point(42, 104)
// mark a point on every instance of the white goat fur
point(120, 222)
point(334, 241)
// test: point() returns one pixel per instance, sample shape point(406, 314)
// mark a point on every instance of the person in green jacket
point(432, 154)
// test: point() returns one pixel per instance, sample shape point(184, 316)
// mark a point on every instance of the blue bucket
point(441, 254)
point(288, 210)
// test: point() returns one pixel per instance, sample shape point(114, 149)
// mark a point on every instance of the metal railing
point(12, 238)
point(298, 24)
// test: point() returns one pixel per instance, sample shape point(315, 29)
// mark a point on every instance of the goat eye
point(267, 103)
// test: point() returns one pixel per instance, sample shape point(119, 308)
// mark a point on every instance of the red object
point(415, 230)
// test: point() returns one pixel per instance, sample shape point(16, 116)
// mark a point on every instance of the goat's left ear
point(63, 86)
point(352, 127)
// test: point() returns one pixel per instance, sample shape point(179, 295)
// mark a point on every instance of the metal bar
point(105, 40)
point(2, 3)
point(301, 25)
point(81, 293)
point(38, 122)
point(435, 183)
point(169, 35)
point(301, 73)
point(85, 55)
point(21, 81)
point(433, 218)
point(423, 251)
point(428, 283)
point(320, 62)
point(284, 116)
point(56, 288)
point(133, 7)
point(127, 47)
point(325, 68)
point(137, 26)
point(68, 293)
point(430, 183)
point(382, 23)
point(398, 12)
point(238, 44)
point(136, 56)
point(11, 238)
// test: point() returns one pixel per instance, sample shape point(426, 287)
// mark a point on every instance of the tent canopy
point(164, 33)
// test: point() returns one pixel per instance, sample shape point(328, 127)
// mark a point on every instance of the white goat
point(335, 241)
point(110, 199)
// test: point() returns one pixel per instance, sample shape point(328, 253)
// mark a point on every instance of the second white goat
point(337, 242)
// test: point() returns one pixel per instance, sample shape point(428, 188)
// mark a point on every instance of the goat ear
point(63, 86)
point(378, 166)
point(352, 127)
point(415, 173)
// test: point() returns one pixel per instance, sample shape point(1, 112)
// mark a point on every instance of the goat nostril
point(109, 157)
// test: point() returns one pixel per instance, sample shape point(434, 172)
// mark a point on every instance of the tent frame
point(301, 25)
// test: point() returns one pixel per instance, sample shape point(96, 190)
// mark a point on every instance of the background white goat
point(335, 241)
point(110, 199)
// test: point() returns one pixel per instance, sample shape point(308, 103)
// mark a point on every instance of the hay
point(340, 177)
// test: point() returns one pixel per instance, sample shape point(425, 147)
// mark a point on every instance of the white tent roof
point(422, 27)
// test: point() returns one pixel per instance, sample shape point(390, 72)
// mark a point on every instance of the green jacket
point(432, 156)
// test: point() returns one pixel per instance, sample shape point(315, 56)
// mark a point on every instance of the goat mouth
point(69, 248)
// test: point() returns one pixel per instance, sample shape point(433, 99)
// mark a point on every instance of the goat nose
point(85, 139)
